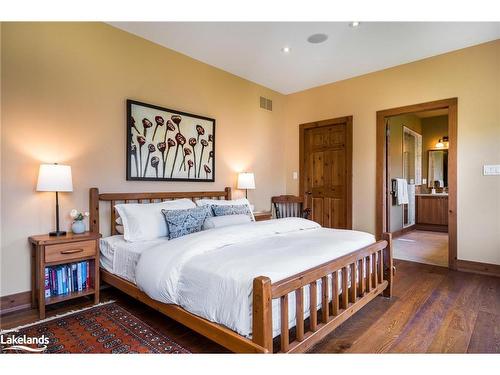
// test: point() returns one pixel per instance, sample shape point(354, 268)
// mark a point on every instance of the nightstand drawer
point(68, 251)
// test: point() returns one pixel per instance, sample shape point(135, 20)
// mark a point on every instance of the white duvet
point(120, 257)
point(210, 273)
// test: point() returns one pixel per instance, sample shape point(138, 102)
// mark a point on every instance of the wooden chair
point(289, 206)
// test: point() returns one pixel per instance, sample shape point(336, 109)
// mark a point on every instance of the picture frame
point(168, 145)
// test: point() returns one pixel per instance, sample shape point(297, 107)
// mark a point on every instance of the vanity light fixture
point(443, 142)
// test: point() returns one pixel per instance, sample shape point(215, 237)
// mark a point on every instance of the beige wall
point(472, 75)
point(433, 128)
point(64, 88)
point(396, 124)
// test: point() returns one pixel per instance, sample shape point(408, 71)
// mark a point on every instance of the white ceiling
point(252, 50)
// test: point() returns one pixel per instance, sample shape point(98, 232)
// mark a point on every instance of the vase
point(78, 227)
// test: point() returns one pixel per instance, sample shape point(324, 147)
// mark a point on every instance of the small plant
point(78, 216)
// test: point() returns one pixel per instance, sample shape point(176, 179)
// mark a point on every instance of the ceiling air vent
point(266, 103)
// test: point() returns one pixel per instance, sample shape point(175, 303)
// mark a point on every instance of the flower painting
point(168, 145)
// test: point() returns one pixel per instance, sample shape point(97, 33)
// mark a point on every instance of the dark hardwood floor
point(433, 310)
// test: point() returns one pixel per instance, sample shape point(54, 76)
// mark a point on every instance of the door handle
point(308, 192)
point(73, 251)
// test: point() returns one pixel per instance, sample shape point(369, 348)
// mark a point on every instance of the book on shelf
point(47, 283)
point(67, 278)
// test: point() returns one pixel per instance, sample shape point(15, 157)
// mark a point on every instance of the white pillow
point(144, 221)
point(224, 221)
point(119, 229)
point(235, 202)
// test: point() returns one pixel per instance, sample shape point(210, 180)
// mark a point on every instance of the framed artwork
point(169, 145)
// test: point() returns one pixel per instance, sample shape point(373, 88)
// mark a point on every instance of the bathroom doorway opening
point(416, 181)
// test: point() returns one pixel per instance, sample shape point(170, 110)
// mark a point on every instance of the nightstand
point(264, 215)
point(51, 252)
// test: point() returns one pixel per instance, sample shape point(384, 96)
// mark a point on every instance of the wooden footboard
point(358, 288)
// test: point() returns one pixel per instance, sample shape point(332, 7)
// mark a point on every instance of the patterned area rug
point(106, 328)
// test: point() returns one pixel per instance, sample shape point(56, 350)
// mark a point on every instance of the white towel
point(402, 191)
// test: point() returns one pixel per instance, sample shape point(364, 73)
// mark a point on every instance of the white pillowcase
point(224, 221)
point(144, 221)
point(235, 202)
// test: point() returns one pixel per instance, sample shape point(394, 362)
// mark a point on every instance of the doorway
point(325, 149)
point(416, 181)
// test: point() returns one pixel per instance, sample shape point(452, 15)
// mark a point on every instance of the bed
point(272, 286)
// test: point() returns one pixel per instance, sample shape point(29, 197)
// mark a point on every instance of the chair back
point(288, 206)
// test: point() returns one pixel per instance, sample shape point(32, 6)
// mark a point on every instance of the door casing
point(382, 178)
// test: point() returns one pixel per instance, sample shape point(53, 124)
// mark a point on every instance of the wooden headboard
point(114, 198)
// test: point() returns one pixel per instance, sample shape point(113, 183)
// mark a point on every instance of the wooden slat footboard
point(365, 273)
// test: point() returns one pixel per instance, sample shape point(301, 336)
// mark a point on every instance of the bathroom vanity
point(432, 212)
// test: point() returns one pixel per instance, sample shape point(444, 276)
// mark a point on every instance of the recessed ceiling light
point(317, 38)
point(354, 24)
point(285, 49)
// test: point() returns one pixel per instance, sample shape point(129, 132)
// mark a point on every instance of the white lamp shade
point(246, 181)
point(54, 177)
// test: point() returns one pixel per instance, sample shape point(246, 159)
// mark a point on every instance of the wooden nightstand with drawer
point(74, 258)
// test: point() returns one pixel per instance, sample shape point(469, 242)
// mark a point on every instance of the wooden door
point(326, 165)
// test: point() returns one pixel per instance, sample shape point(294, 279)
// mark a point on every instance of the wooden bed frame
point(377, 258)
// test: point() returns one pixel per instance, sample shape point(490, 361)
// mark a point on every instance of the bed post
point(94, 210)
point(228, 193)
point(388, 264)
point(262, 318)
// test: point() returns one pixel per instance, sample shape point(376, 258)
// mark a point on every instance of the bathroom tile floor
point(422, 247)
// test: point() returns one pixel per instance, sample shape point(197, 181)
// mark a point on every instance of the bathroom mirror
point(437, 172)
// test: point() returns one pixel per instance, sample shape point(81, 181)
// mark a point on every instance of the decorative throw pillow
point(222, 202)
point(234, 209)
point(183, 222)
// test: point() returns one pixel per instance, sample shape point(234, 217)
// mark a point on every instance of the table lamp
point(246, 181)
point(56, 178)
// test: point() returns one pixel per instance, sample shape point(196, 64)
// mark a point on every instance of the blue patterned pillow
point(233, 209)
point(183, 222)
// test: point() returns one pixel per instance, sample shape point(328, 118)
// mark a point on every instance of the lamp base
point(57, 233)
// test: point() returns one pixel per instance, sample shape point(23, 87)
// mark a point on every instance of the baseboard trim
point(14, 302)
point(478, 267)
point(432, 227)
point(400, 232)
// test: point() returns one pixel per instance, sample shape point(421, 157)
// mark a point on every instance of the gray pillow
point(183, 222)
point(223, 210)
